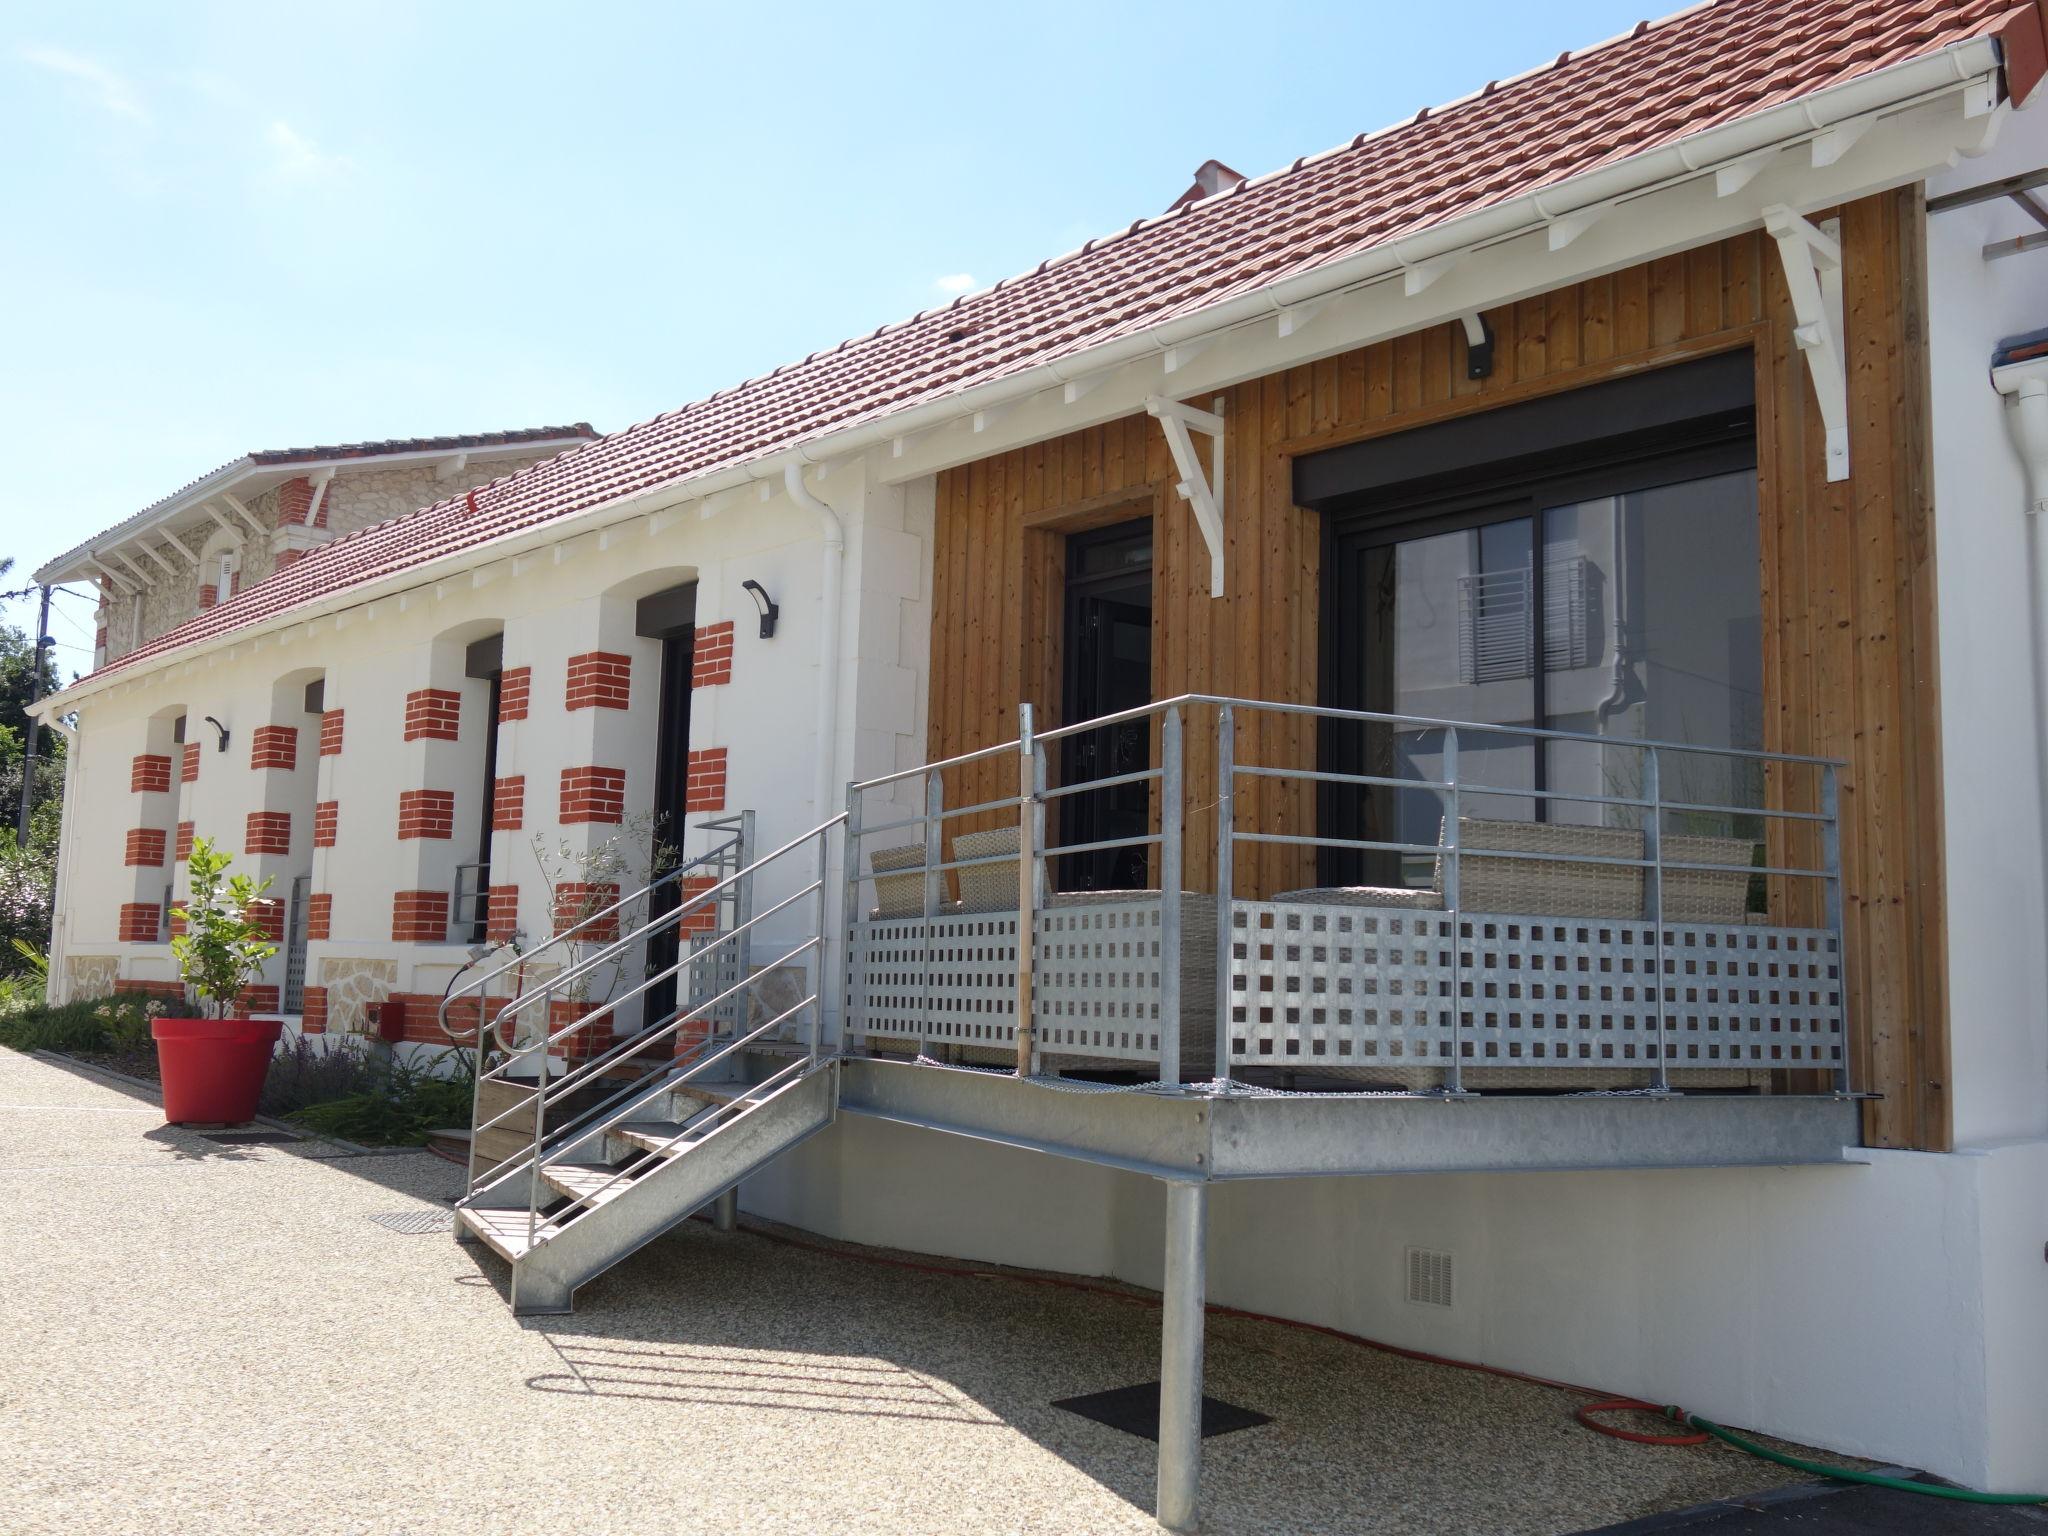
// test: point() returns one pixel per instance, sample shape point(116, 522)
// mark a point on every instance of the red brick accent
point(168, 991)
point(149, 774)
point(177, 921)
point(705, 918)
point(585, 1043)
point(184, 844)
point(140, 922)
point(577, 899)
point(593, 794)
point(268, 832)
point(501, 913)
point(209, 595)
point(99, 638)
point(188, 764)
point(515, 692)
point(313, 1011)
point(326, 823)
point(266, 915)
point(712, 662)
point(508, 803)
point(330, 733)
point(419, 917)
point(274, 746)
point(600, 680)
point(293, 498)
point(145, 848)
point(319, 916)
point(706, 791)
point(234, 582)
point(260, 998)
point(433, 713)
point(426, 813)
point(287, 558)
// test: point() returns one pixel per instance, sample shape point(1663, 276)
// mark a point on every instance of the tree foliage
point(222, 949)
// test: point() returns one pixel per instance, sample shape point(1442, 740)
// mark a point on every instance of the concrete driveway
point(217, 1339)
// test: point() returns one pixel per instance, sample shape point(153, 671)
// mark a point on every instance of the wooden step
point(581, 1181)
point(503, 1232)
point(652, 1135)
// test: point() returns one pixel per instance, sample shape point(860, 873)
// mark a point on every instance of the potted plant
point(213, 1067)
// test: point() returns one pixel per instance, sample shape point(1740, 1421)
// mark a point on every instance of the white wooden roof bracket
point(1203, 492)
point(321, 479)
point(1812, 257)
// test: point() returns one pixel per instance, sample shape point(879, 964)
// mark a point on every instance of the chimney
point(1211, 177)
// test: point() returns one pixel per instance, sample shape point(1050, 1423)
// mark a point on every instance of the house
point(1506, 652)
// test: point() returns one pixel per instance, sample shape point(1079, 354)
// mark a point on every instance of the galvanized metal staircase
point(625, 1125)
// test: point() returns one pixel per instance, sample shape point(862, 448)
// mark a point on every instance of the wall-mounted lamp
point(766, 604)
point(223, 745)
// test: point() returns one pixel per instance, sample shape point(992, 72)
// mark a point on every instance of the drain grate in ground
point(1135, 1411)
point(416, 1223)
point(250, 1138)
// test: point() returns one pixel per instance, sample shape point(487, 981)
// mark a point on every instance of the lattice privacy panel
point(1374, 988)
point(1097, 986)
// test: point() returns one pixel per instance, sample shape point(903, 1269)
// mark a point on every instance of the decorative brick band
point(184, 846)
point(150, 774)
point(419, 917)
point(600, 680)
point(501, 913)
point(268, 832)
point(293, 498)
point(177, 922)
point(141, 922)
point(577, 899)
point(515, 693)
point(705, 918)
point(145, 848)
point(508, 803)
point(209, 596)
point(594, 1040)
point(433, 714)
point(706, 789)
point(330, 733)
point(426, 813)
point(711, 663)
point(313, 1011)
point(326, 823)
point(259, 998)
point(167, 991)
point(287, 558)
point(266, 915)
point(188, 766)
point(593, 795)
point(319, 916)
point(274, 746)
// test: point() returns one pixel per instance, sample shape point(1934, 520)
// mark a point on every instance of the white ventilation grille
point(1429, 1277)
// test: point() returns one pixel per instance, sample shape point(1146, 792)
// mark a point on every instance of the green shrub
point(107, 1025)
point(375, 1099)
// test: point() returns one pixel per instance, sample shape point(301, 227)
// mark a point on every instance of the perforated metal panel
point(1372, 987)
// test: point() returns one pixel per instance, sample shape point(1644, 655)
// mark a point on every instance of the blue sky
point(236, 226)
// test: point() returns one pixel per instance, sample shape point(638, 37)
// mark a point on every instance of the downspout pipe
point(831, 575)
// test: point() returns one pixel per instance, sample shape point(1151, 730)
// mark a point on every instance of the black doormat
point(1135, 1410)
point(249, 1138)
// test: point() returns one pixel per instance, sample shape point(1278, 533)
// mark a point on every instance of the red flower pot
point(213, 1069)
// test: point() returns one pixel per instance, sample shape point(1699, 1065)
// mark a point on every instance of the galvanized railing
point(666, 1060)
point(976, 981)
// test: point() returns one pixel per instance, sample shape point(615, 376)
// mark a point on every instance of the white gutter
point(831, 577)
point(1700, 153)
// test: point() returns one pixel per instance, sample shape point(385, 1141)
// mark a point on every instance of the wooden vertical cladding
point(1847, 585)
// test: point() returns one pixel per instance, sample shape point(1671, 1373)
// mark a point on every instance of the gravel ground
point(211, 1339)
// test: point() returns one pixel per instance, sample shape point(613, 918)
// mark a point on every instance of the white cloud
point(107, 88)
point(955, 282)
point(296, 158)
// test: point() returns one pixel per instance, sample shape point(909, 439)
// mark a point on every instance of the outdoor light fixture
point(220, 728)
point(766, 604)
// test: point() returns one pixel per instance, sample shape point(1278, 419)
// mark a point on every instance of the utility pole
point(35, 691)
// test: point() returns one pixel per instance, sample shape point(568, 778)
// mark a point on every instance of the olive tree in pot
point(213, 1067)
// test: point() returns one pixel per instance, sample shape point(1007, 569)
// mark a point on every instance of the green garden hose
point(1844, 1474)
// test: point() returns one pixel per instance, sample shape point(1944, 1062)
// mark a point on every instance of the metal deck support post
point(1653, 907)
point(1454, 900)
point(1030, 834)
point(849, 873)
point(1180, 1358)
point(1226, 849)
point(1169, 898)
point(934, 895)
point(725, 1210)
point(1831, 887)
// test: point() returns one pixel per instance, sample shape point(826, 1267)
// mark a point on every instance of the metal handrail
point(480, 985)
